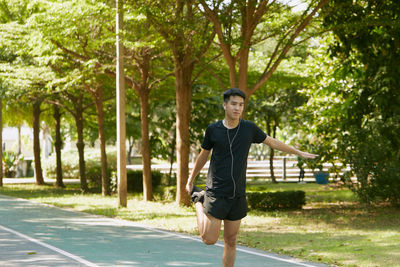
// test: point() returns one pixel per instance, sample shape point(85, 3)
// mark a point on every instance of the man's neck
point(230, 124)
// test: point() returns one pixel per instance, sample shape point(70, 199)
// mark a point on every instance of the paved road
point(39, 235)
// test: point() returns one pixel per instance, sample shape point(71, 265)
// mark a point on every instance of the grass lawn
point(332, 228)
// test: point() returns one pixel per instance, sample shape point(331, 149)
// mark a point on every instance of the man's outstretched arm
point(278, 145)
point(198, 165)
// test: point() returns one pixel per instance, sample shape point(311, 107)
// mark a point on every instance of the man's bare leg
point(209, 227)
point(231, 229)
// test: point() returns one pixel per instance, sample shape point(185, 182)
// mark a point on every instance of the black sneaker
point(197, 194)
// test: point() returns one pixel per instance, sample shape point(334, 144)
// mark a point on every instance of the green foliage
point(353, 113)
point(276, 200)
point(70, 164)
point(135, 180)
point(275, 103)
point(371, 143)
point(17, 10)
point(207, 102)
point(168, 193)
point(162, 130)
point(93, 166)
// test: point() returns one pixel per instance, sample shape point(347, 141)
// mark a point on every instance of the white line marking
point(62, 252)
point(219, 243)
point(274, 257)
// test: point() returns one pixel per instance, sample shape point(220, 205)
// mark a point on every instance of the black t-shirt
point(222, 179)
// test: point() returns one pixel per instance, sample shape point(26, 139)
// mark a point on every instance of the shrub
point(276, 200)
point(10, 163)
point(374, 165)
point(168, 193)
point(70, 164)
point(135, 180)
point(93, 165)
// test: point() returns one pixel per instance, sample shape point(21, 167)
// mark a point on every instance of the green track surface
point(33, 234)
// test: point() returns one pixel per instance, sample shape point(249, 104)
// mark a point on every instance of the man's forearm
point(198, 165)
point(278, 145)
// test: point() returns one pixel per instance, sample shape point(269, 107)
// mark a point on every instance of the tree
point(367, 42)
point(240, 25)
point(353, 109)
point(26, 81)
point(28, 86)
point(188, 37)
point(146, 66)
point(274, 105)
point(83, 38)
point(12, 19)
point(75, 102)
point(143, 58)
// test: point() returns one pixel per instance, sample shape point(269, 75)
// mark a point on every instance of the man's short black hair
point(232, 92)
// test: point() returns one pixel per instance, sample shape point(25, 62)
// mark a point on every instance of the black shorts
point(225, 208)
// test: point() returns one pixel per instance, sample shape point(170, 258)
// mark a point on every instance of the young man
point(224, 198)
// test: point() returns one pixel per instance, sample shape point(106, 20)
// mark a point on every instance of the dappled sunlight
point(304, 235)
point(185, 225)
point(331, 227)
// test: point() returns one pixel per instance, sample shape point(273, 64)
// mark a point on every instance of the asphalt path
point(33, 234)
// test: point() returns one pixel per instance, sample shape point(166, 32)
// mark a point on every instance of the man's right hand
point(189, 187)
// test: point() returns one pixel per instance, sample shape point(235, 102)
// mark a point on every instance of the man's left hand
point(307, 155)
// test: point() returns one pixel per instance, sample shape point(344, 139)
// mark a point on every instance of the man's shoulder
point(219, 124)
point(215, 124)
point(248, 123)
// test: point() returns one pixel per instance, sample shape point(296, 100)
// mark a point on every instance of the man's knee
point(230, 240)
point(209, 240)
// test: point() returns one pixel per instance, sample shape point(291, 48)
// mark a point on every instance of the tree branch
point(289, 45)
point(160, 80)
point(226, 50)
point(70, 52)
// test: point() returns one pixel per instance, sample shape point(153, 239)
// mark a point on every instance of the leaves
point(353, 107)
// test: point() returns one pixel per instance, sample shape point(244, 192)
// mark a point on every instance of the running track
point(34, 234)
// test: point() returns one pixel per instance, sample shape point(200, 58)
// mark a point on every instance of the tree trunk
point(36, 142)
point(274, 126)
point(131, 143)
point(172, 157)
point(1, 142)
point(183, 107)
point(19, 148)
point(271, 132)
point(58, 146)
point(243, 68)
point(105, 181)
point(146, 160)
point(271, 151)
point(271, 165)
point(80, 144)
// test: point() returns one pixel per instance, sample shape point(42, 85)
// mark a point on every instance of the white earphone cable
point(230, 149)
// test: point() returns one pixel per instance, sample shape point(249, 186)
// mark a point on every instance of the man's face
point(234, 107)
